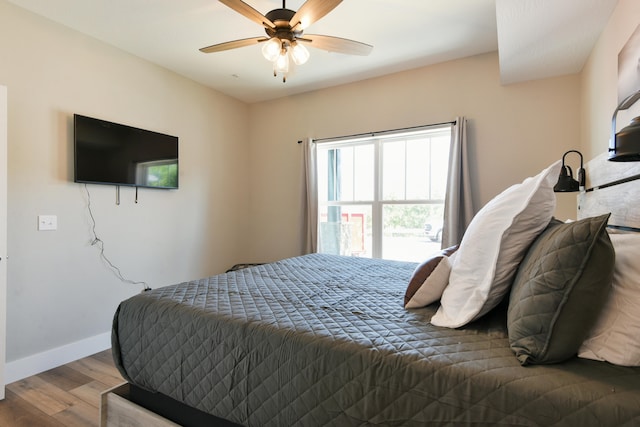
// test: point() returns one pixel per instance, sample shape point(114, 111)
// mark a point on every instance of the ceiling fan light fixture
point(284, 27)
point(271, 49)
point(299, 53)
point(281, 64)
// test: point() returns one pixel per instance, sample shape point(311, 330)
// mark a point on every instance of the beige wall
point(515, 131)
point(60, 291)
point(600, 79)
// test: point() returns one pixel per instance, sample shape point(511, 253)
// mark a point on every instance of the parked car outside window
point(433, 230)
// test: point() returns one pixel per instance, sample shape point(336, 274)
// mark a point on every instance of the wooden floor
point(66, 396)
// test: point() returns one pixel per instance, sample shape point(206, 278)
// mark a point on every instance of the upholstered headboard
point(612, 187)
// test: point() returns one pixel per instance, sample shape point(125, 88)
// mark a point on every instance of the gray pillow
point(559, 290)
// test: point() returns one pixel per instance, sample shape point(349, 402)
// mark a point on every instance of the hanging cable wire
point(100, 244)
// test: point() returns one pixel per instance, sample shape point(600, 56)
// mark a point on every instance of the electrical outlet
point(47, 222)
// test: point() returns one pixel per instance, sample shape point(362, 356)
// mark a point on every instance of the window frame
point(377, 204)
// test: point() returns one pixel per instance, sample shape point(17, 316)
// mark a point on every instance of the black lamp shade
point(627, 143)
point(566, 183)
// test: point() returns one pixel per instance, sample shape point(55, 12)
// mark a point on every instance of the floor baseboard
point(37, 363)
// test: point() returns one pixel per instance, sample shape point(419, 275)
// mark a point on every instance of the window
point(383, 196)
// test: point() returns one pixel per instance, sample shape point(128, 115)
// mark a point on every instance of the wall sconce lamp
point(566, 182)
point(624, 146)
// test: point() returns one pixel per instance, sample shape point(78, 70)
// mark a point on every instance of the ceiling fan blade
point(233, 44)
point(249, 12)
point(311, 11)
point(336, 44)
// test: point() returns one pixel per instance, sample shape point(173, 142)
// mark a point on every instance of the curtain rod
point(372, 134)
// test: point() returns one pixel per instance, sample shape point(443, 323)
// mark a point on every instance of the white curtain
point(458, 204)
point(310, 241)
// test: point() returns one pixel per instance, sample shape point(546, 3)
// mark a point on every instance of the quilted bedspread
point(324, 340)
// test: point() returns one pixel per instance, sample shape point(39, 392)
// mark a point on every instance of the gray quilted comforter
point(324, 340)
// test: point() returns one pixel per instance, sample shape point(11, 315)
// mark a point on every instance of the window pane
point(346, 173)
point(364, 165)
point(345, 230)
point(418, 159)
point(415, 168)
point(393, 170)
point(411, 232)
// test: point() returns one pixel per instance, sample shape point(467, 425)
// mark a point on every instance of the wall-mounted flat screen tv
point(116, 154)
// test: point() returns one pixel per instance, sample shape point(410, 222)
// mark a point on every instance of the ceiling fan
point(285, 31)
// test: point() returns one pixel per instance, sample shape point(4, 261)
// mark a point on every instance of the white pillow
point(492, 247)
point(615, 337)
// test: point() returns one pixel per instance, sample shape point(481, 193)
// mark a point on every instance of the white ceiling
point(535, 38)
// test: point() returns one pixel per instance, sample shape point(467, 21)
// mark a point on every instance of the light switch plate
point(47, 222)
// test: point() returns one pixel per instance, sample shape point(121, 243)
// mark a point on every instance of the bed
point(325, 340)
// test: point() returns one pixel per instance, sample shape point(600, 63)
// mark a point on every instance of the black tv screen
point(116, 154)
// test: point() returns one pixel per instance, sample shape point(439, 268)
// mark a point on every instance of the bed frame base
point(129, 405)
point(117, 410)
